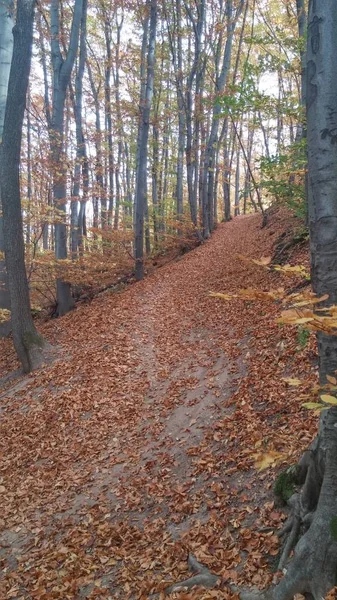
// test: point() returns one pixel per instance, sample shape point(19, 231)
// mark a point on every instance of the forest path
point(137, 447)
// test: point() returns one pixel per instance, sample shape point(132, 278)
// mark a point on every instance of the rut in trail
point(137, 445)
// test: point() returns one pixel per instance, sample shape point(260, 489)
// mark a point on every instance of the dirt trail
point(137, 446)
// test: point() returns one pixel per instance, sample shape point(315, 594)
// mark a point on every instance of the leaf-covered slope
point(138, 444)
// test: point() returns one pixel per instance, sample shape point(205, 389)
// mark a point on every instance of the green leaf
point(312, 405)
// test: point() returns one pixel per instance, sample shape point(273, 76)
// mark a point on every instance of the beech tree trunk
point(62, 69)
point(6, 49)
point(107, 221)
point(81, 163)
point(142, 151)
point(302, 28)
point(313, 568)
point(210, 151)
point(28, 343)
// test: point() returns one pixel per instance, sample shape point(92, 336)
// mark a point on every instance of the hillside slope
point(137, 444)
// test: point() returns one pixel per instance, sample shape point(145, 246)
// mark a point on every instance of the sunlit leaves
point(313, 406)
point(268, 459)
point(5, 315)
point(292, 381)
point(293, 270)
point(328, 399)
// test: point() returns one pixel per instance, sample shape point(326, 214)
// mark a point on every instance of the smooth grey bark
point(128, 206)
point(99, 198)
point(6, 50)
point(108, 210)
point(227, 136)
point(237, 182)
point(62, 69)
point(175, 39)
point(302, 28)
point(313, 568)
point(81, 161)
point(226, 172)
point(47, 110)
point(195, 78)
point(163, 168)
point(247, 185)
point(210, 152)
point(144, 126)
point(155, 172)
point(29, 172)
point(143, 55)
point(28, 343)
point(322, 162)
point(120, 129)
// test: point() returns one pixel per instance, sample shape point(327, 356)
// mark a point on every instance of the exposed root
point(287, 527)
point(203, 577)
point(286, 242)
point(313, 567)
point(291, 541)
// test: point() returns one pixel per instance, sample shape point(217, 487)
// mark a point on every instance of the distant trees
point(127, 149)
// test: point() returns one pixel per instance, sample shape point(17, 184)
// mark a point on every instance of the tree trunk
point(100, 193)
point(62, 69)
point(302, 28)
point(6, 49)
point(237, 183)
point(108, 119)
point(210, 152)
point(28, 343)
point(144, 126)
point(81, 163)
point(312, 570)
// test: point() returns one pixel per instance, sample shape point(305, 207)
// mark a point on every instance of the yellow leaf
point(292, 381)
point(219, 295)
point(313, 406)
point(263, 262)
point(332, 380)
point(294, 320)
point(311, 300)
point(329, 399)
point(263, 461)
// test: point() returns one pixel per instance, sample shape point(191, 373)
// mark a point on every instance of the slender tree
point(28, 343)
point(81, 163)
point(62, 68)
point(222, 71)
point(143, 136)
point(6, 49)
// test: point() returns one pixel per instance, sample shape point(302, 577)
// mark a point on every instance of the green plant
point(303, 337)
point(284, 486)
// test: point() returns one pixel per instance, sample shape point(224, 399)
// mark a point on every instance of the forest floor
point(137, 444)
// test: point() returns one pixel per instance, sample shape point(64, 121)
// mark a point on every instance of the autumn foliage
point(140, 443)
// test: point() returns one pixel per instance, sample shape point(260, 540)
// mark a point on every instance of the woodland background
point(146, 125)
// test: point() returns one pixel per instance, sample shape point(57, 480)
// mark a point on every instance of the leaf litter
point(138, 445)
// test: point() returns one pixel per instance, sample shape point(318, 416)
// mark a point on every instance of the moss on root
point(284, 486)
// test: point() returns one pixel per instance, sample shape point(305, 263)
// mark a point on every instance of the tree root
point(312, 570)
point(203, 577)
